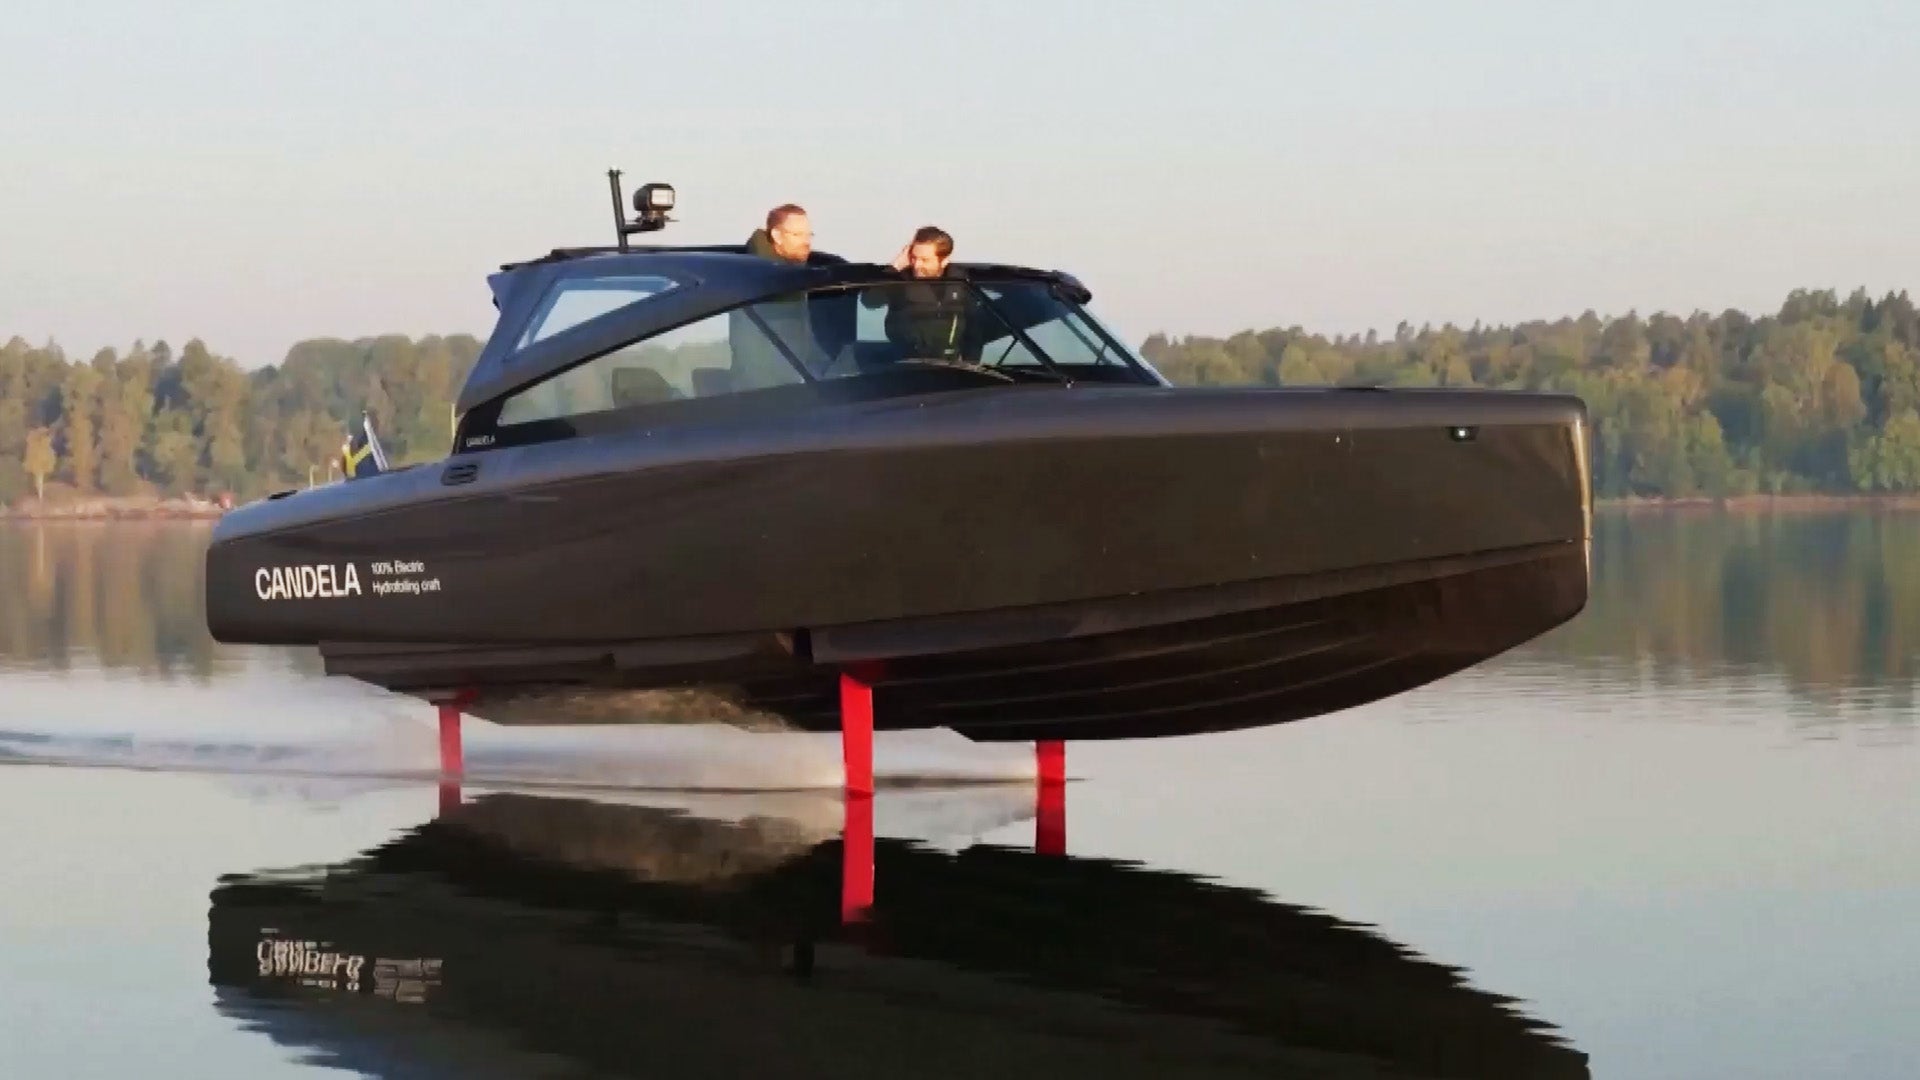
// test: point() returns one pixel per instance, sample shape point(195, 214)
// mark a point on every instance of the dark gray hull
point(1016, 564)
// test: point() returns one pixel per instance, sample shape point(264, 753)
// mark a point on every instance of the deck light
point(650, 204)
point(653, 199)
point(1462, 434)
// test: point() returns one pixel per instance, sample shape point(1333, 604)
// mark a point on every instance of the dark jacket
point(761, 244)
point(927, 317)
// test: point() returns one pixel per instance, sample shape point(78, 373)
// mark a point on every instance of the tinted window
point(720, 354)
point(573, 301)
point(827, 334)
point(1058, 328)
point(886, 324)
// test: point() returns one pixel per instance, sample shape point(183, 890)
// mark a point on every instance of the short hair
point(779, 214)
point(930, 234)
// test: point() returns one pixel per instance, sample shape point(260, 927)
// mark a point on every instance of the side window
point(1057, 329)
point(870, 317)
point(720, 354)
point(1006, 350)
point(571, 302)
point(1069, 339)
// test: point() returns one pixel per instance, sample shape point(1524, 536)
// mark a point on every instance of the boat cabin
point(604, 339)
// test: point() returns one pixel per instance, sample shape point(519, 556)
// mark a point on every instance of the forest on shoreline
point(176, 432)
point(1817, 401)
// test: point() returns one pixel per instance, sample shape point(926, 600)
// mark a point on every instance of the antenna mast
point(619, 208)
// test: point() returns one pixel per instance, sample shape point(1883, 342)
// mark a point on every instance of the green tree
point(121, 414)
point(78, 404)
point(40, 459)
point(1890, 461)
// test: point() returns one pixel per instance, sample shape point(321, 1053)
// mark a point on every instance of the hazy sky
point(256, 172)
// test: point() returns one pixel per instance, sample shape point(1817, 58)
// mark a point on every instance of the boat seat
point(640, 386)
point(711, 381)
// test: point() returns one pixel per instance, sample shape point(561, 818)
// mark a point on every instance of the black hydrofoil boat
point(697, 483)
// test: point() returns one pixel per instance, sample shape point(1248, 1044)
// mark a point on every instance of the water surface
point(1678, 837)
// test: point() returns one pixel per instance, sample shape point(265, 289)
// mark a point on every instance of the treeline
point(1823, 396)
point(148, 421)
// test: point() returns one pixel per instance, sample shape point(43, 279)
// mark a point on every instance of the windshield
point(1059, 328)
point(1018, 328)
point(1022, 331)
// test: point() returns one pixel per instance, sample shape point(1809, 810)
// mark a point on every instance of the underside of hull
point(1208, 660)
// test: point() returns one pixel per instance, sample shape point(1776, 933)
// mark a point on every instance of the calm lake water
point(1679, 837)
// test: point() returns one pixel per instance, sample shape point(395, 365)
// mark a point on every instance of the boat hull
point(1032, 564)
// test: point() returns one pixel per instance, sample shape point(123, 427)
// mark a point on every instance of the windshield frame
point(1113, 363)
point(1073, 310)
point(856, 288)
point(975, 285)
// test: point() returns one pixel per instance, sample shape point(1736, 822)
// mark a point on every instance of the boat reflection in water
point(531, 935)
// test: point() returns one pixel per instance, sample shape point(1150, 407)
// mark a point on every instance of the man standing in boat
point(928, 316)
point(787, 237)
point(927, 254)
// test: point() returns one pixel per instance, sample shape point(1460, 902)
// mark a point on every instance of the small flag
point(360, 455)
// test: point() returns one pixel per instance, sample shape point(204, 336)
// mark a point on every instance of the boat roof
point(708, 279)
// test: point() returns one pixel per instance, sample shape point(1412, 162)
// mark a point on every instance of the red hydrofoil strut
point(856, 752)
point(856, 748)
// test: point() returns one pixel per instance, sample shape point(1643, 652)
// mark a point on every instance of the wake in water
point(321, 742)
point(943, 795)
point(388, 744)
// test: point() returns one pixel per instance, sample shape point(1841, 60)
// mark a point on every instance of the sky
point(254, 173)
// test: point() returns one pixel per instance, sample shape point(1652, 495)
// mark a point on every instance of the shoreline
point(1795, 503)
point(125, 509)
